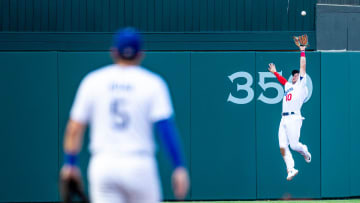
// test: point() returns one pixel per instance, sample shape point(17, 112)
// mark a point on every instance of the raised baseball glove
point(72, 188)
point(301, 41)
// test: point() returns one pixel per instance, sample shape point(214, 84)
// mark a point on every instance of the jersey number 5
point(120, 117)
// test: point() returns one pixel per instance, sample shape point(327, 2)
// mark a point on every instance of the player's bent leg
point(302, 149)
point(298, 147)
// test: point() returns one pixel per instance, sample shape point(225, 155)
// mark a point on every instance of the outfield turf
point(292, 201)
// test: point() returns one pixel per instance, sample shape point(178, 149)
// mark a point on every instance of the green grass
point(280, 201)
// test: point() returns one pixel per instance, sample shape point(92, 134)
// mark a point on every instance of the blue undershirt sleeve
point(169, 137)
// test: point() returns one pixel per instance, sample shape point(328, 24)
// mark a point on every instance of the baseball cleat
point(291, 174)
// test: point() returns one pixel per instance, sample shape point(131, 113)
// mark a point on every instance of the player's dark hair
point(294, 72)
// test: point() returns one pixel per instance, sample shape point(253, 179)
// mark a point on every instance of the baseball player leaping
point(291, 121)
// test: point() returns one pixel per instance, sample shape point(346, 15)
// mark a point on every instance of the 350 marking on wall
point(264, 86)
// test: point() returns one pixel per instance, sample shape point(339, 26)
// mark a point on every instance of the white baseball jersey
point(121, 104)
point(295, 95)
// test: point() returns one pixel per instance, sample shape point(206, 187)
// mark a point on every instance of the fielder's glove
point(301, 41)
point(70, 188)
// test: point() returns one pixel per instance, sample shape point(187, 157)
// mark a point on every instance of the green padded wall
point(222, 133)
point(29, 123)
point(231, 148)
point(354, 96)
point(335, 123)
point(271, 169)
point(339, 120)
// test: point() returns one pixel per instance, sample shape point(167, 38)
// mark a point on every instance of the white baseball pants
point(123, 179)
point(289, 134)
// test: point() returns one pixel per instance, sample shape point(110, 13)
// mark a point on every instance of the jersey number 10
point(288, 97)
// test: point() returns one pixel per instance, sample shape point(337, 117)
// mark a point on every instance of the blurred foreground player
point(122, 103)
point(291, 120)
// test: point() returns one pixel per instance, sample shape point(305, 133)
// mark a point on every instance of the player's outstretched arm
point(280, 78)
point(302, 61)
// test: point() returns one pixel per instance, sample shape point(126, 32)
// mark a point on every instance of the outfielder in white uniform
point(122, 103)
point(291, 121)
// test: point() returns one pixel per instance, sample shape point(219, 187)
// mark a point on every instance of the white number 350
point(262, 76)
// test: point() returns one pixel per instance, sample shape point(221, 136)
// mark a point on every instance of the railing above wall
point(192, 41)
point(156, 15)
point(340, 2)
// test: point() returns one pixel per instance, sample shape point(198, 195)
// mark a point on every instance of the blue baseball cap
point(128, 43)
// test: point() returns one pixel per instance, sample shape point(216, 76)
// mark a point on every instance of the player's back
point(123, 103)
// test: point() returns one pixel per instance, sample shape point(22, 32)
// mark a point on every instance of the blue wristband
point(71, 159)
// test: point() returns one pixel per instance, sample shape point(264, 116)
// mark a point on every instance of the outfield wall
point(229, 132)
